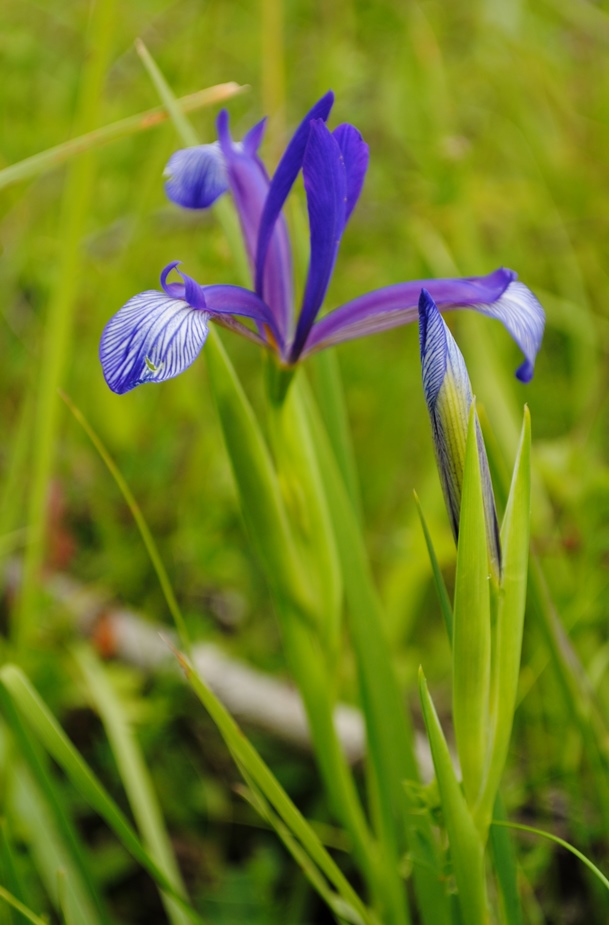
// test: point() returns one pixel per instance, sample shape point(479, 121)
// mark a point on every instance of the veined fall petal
point(157, 335)
point(449, 397)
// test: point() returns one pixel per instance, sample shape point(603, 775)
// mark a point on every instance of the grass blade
point(507, 642)
point(342, 910)
point(59, 154)
point(558, 841)
point(140, 520)
point(16, 904)
point(443, 598)
point(63, 842)
point(472, 626)
point(467, 849)
point(59, 320)
point(134, 774)
point(504, 861)
point(247, 757)
point(56, 743)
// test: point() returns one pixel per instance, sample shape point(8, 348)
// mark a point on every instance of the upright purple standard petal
point(449, 397)
point(283, 180)
point(249, 185)
point(498, 295)
point(151, 338)
point(196, 176)
point(356, 155)
point(326, 188)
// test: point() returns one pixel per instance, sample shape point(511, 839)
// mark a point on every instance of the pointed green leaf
point(466, 847)
point(443, 598)
point(246, 756)
point(25, 914)
point(504, 862)
point(510, 615)
point(472, 626)
point(50, 734)
point(39, 798)
point(135, 776)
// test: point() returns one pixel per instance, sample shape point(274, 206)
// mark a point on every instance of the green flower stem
point(265, 517)
point(305, 503)
point(331, 401)
point(390, 736)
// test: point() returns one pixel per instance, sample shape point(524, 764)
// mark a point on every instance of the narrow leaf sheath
point(472, 626)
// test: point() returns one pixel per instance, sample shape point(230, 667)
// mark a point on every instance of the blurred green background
point(488, 126)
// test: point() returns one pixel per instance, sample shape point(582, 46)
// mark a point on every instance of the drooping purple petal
point(283, 180)
point(449, 397)
point(356, 155)
point(499, 295)
point(326, 188)
point(220, 299)
point(196, 176)
point(249, 185)
point(150, 339)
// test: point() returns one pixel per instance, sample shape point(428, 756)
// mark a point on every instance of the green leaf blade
point(467, 849)
point(510, 614)
point(472, 626)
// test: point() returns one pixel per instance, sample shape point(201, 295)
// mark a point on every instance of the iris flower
point(448, 394)
point(157, 334)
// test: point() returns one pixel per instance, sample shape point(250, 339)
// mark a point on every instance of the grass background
point(488, 126)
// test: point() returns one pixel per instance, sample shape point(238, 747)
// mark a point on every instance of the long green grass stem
point(558, 841)
point(22, 909)
point(58, 326)
point(272, 64)
point(124, 128)
point(135, 776)
point(140, 520)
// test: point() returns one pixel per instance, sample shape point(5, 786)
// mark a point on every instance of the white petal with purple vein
point(150, 339)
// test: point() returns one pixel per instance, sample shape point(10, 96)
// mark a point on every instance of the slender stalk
point(390, 734)
point(140, 520)
point(59, 321)
point(132, 125)
point(272, 63)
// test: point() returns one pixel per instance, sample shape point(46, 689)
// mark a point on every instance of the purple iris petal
point(498, 295)
point(356, 154)
point(325, 183)
point(249, 185)
point(220, 299)
point(253, 139)
point(283, 180)
point(196, 176)
point(151, 338)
